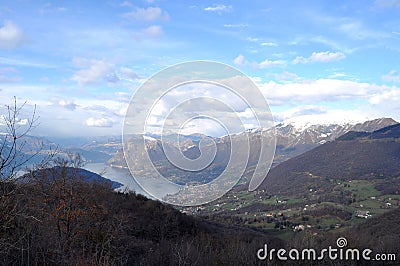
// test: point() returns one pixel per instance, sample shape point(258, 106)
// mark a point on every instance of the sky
point(80, 62)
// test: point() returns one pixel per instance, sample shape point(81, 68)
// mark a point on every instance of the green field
point(292, 210)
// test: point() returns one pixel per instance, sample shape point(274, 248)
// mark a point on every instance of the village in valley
point(290, 214)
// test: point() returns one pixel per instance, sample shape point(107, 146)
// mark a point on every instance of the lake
point(124, 177)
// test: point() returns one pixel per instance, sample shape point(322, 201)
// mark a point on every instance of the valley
point(334, 186)
point(324, 177)
point(343, 186)
point(286, 215)
point(292, 139)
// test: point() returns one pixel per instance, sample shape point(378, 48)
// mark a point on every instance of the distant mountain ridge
point(355, 155)
point(392, 131)
point(291, 141)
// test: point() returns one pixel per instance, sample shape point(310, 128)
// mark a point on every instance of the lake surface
point(124, 177)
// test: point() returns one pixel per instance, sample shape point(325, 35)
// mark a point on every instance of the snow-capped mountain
point(292, 132)
point(292, 139)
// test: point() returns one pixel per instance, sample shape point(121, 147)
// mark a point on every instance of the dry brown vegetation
point(66, 221)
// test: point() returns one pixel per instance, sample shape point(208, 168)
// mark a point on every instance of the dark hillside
point(382, 233)
point(61, 219)
point(392, 131)
point(379, 234)
point(70, 174)
point(353, 156)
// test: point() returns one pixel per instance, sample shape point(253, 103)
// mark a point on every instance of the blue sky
point(80, 61)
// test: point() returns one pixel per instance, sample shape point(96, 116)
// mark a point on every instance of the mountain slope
point(367, 156)
point(296, 138)
point(70, 173)
point(292, 140)
point(52, 222)
point(379, 234)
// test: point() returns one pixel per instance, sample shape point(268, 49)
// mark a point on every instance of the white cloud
point(61, 114)
point(269, 44)
point(126, 4)
point(285, 76)
point(352, 27)
point(123, 97)
point(153, 31)
point(236, 25)
point(337, 75)
point(301, 111)
point(99, 122)
point(148, 14)
point(104, 116)
point(356, 30)
point(218, 8)
point(122, 74)
point(322, 57)
point(300, 59)
point(385, 97)
point(191, 100)
point(19, 121)
point(313, 91)
point(270, 63)
point(304, 116)
point(22, 122)
point(252, 39)
point(205, 126)
point(361, 101)
point(240, 60)
point(386, 103)
point(24, 62)
point(326, 56)
point(128, 73)
point(70, 105)
point(392, 76)
point(11, 36)
point(49, 8)
point(94, 71)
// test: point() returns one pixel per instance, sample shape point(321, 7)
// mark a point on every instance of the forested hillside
point(65, 220)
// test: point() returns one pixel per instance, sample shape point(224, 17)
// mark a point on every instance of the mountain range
point(324, 177)
point(333, 187)
point(353, 156)
point(292, 139)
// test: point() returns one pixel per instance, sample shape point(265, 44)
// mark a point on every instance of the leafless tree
point(15, 154)
point(13, 144)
